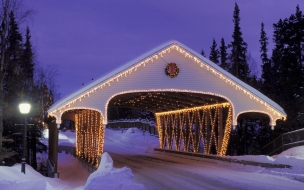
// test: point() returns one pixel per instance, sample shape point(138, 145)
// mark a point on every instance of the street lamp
point(24, 109)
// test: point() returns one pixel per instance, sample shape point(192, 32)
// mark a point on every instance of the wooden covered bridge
point(193, 100)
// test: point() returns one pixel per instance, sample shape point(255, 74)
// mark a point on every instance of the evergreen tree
point(12, 82)
point(18, 81)
point(224, 55)
point(27, 65)
point(253, 76)
point(203, 53)
point(268, 76)
point(239, 67)
point(214, 53)
point(276, 61)
point(7, 7)
point(287, 61)
point(16, 86)
point(263, 49)
point(14, 77)
point(43, 99)
point(40, 100)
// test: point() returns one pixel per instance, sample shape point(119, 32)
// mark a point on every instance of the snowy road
point(166, 171)
point(157, 170)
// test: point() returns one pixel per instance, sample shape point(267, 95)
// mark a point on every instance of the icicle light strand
point(154, 57)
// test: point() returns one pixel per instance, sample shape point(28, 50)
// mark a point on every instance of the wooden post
point(187, 131)
point(170, 133)
point(53, 147)
point(55, 156)
point(220, 129)
point(178, 132)
point(208, 131)
point(197, 132)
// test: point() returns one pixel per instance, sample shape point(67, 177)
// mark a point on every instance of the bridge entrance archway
point(185, 121)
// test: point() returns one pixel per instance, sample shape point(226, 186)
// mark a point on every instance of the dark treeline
point(282, 78)
point(21, 79)
point(121, 113)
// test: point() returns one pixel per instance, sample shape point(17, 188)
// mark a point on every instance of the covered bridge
point(193, 99)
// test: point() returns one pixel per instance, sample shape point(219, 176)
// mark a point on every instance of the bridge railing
point(293, 138)
point(118, 125)
point(283, 142)
point(50, 167)
point(72, 151)
point(225, 159)
point(88, 166)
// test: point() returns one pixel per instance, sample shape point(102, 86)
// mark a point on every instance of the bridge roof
point(235, 82)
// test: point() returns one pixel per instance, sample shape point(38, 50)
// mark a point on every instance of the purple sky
point(87, 39)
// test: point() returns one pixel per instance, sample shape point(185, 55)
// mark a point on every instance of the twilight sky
point(87, 39)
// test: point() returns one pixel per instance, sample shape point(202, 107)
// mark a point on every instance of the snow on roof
point(156, 51)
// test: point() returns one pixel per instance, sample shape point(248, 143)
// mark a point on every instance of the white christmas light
point(153, 57)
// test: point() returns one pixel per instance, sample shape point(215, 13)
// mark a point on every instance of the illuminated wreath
point(171, 70)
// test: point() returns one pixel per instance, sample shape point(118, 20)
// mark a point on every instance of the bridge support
point(53, 148)
point(89, 135)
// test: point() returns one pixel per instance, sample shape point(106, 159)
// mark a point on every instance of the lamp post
point(24, 109)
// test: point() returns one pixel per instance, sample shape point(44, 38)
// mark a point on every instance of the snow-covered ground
point(134, 147)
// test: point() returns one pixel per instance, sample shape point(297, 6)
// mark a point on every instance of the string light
point(201, 129)
point(100, 137)
point(213, 137)
point(77, 135)
point(89, 135)
point(272, 122)
point(165, 90)
point(166, 122)
point(226, 134)
point(194, 109)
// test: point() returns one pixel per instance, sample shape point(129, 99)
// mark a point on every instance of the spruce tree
point(6, 8)
point(214, 53)
point(224, 55)
point(27, 64)
point(13, 84)
point(37, 91)
point(43, 99)
point(267, 69)
point(287, 58)
point(239, 67)
point(203, 53)
point(263, 49)
point(18, 80)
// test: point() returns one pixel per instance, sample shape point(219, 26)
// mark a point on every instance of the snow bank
point(108, 177)
point(66, 138)
point(296, 152)
point(25, 185)
point(133, 138)
point(11, 178)
point(293, 157)
point(106, 162)
point(254, 158)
